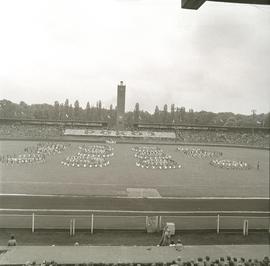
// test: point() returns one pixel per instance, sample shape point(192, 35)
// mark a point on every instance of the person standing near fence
point(12, 241)
point(166, 237)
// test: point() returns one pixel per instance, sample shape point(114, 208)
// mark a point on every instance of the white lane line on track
point(124, 197)
point(134, 211)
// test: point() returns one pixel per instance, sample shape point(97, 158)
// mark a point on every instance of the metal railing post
point(218, 224)
point(92, 224)
point(70, 227)
point(160, 223)
point(245, 228)
point(33, 222)
point(73, 228)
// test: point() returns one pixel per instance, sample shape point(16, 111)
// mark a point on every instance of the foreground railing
point(150, 221)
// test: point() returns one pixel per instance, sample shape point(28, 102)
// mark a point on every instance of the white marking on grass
point(143, 193)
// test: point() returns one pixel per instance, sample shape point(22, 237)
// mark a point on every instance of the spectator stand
point(196, 134)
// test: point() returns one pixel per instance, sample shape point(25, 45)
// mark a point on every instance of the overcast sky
point(215, 59)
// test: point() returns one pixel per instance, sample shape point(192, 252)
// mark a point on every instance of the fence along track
point(131, 220)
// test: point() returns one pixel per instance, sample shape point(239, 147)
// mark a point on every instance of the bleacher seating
point(33, 131)
point(229, 138)
point(245, 138)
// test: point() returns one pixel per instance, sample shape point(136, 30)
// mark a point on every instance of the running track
point(175, 206)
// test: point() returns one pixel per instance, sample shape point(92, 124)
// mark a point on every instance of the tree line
point(166, 115)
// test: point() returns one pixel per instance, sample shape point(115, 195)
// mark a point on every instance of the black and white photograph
point(134, 132)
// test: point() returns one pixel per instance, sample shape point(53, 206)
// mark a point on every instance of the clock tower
point(120, 108)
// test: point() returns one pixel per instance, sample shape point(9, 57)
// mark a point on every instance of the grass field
point(195, 178)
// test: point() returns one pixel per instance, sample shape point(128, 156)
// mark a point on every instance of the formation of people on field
point(46, 148)
point(90, 156)
point(98, 150)
point(198, 153)
point(153, 158)
point(149, 151)
point(33, 154)
point(230, 164)
point(21, 159)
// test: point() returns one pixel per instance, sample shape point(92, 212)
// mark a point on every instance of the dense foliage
point(177, 115)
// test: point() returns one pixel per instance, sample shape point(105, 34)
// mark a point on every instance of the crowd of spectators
point(206, 261)
point(32, 131)
point(183, 135)
point(235, 138)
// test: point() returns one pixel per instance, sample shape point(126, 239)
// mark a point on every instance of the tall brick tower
point(120, 111)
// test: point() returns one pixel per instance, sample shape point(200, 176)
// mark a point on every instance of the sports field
point(196, 178)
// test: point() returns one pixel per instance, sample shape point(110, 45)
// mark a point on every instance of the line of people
point(198, 153)
point(230, 164)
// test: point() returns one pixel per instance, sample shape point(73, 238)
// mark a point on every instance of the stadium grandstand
point(176, 133)
point(69, 123)
point(188, 133)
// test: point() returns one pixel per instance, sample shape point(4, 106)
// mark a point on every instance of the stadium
point(115, 186)
point(62, 189)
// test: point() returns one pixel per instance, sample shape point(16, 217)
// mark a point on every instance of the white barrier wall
point(114, 133)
